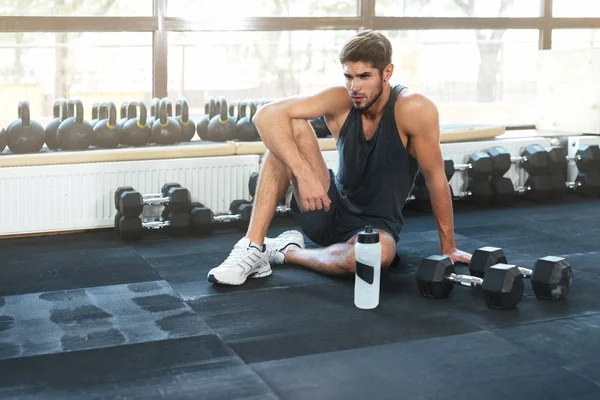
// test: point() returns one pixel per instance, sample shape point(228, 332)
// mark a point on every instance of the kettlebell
point(136, 131)
point(106, 133)
point(166, 130)
point(95, 118)
point(234, 110)
point(123, 117)
point(25, 135)
point(18, 116)
point(188, 126)
point(210, 110)
point(320, 127)
point(153, 110)
point(245, 129)
point(60, 113)
point(2, 140)
point(222, 127)
point(74, 133)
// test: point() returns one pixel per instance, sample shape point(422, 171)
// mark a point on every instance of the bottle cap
point(368, 235)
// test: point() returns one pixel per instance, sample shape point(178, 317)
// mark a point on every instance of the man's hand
point(458, 256)
point(312, 196)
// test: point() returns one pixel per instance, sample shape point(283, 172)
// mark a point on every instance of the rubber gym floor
point(87, 316)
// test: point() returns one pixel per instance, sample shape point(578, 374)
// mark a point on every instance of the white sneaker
point(278, 247)
point(245, 261)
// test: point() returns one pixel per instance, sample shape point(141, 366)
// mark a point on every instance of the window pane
point(191, 9)
point(252, 65)
point(473, 76)
point(77, 7)
point(40, 67)
point(457, 8)
point(576, 8)
point(575, 38)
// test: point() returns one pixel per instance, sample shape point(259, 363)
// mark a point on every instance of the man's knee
point(300, 127)
point(388, 251)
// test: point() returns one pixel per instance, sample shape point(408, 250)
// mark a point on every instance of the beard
point(369, 103)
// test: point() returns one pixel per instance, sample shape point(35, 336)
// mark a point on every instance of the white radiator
point(81, 196)
point(573, 144)
point(461, 151)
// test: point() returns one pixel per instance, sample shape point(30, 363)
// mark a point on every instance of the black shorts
point(336, 225)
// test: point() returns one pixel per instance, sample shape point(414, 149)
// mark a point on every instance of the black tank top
point(374, 176)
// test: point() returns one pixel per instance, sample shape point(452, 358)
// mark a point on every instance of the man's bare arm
point(274, 122)
point(419, 118)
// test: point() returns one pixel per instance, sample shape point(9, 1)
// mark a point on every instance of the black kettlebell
point(188, 126)
point(320, 127)
point(60, 112)
point(74, 133)
point(136, 131)
point(153, 111)
point(95, 118)
point(106, 133)
point(245, 129)
point(210, 110)
point(222, 127)
point(25, 135)
point(234, 110)
point(166, 130)
point(2, 140)
point(123, 117)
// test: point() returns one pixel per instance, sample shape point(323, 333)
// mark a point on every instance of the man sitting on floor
point(383, 133)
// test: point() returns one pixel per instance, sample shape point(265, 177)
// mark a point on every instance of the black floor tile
point(201, 367)
point(186, 265)
point(72, 269)
point(524, 241)
point(469, 366)
point(588, 370)
point(279, 323)
point(80, 319)
point(571, 341)
point(95, 240)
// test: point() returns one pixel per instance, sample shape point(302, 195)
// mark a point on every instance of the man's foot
point(245, 261)
point(278, 247)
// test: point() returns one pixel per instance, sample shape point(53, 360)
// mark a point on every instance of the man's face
point(364, 84)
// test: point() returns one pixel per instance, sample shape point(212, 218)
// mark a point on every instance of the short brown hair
point(368, 46)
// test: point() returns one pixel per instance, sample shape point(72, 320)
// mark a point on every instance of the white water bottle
point(367, 252)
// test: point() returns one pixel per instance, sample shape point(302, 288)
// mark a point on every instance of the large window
point(76, 7)
point(41, 67)
point(576, 8)
point(226, 10)
point(575, 38)
point(457, 8)
point(473, 76)
point(258, 65)
point(483, 76)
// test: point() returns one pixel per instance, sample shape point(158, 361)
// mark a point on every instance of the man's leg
point(250, 258)
point(338, 259)
point(275, 176)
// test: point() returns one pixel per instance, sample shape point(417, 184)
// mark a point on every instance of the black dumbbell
point(502, 286)
point(534, 159)
point(252, 183)
point(587, 158)
point(128, 229)
point(203, 218)
point(478, 193)
point(131, 203)
point(478, 167)
point(544, 187)
point(551, 277)
point(537, 187)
